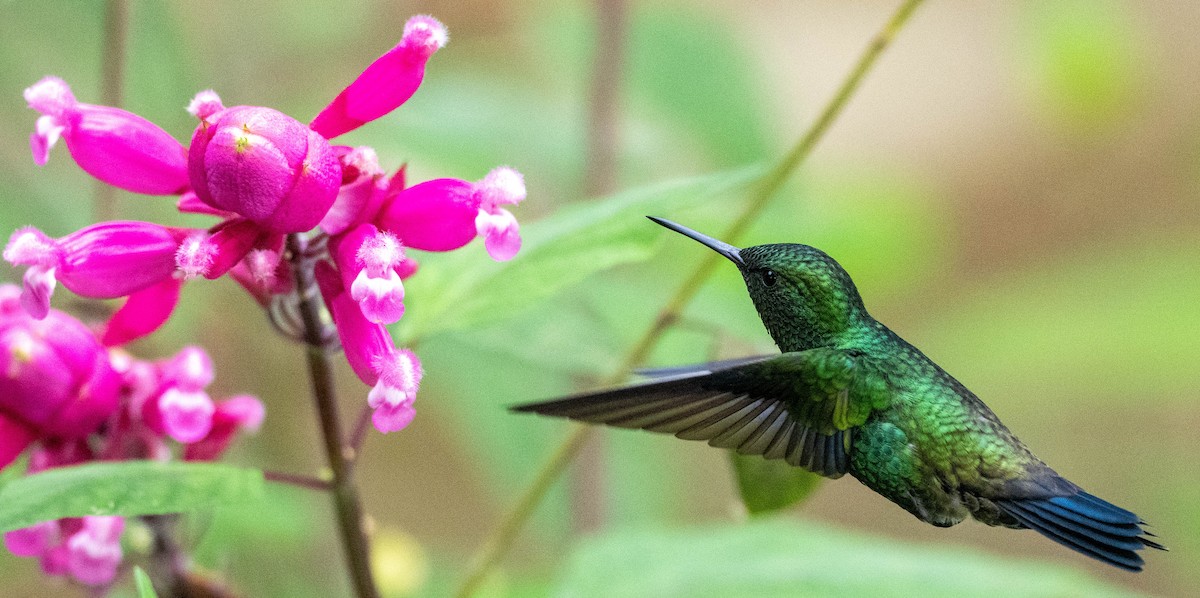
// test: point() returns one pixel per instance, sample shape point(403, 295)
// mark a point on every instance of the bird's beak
point(733, 253)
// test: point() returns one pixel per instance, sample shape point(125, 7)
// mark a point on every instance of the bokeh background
point(1014, 188)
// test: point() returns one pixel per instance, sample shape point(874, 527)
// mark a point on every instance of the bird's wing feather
point(800, 406)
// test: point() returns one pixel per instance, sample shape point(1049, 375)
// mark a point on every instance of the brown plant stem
point(502, 537)
point(346, 502)
point(112, 86)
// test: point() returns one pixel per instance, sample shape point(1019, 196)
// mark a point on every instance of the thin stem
point(346, 501)
point(589, 475)
point(168, 565)
point(604, 106)
point(300, 481)
point(112, 85)
point(504, 534)
point(502, 537)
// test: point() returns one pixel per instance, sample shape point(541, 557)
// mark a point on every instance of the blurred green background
point(1015, 190)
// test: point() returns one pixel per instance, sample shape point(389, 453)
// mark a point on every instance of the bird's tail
point(1086, 524)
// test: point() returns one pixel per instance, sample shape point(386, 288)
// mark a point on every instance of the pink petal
point(363, 341)
point(393, 418)
point(32, 541)
point(244, 413)
point(115, 259)
point(437, 215)
point(503, 185)
point(361, 193)
point(186, 416)
point(14, 437)
point(501, 235)
point(144, 312)
point(94, 402)
point(380, 299)
point(232, 241)
point(95, 551)
point(205, 104)
point(191, 369)
point(387, 83)
point(126, 150)
point(37, 288)
point(314, 191)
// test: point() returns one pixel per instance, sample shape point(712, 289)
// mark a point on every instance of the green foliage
point(145, 589)
point(768, 485)
point(464, 289)
point(124, 488)
point(1048, 321)
point(786, 558)
point(1088, 59)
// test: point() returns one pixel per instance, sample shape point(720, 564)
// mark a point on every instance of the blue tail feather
point(1085, 524)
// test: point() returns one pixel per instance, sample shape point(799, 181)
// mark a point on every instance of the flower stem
point(765, 189)
point(347, 504)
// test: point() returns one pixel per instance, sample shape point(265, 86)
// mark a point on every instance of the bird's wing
point(801, 406)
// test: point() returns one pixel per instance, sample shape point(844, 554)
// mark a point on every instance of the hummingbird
point(848, 395)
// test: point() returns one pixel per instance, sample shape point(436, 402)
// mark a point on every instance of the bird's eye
point(768, 277)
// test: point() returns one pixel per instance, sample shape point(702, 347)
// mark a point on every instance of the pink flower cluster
point(266, 175)
point(74, 400)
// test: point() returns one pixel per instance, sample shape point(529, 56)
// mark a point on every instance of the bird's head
point(804, 297)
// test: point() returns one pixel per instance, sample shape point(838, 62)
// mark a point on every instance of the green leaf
point(782, 558)
point(465, 289)
point(124, 488)
point(768, 485)
point(145, 589)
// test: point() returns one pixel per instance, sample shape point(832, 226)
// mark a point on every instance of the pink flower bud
point(387, 83)
point(265, 166)
point(94, 552)
point(115, 146)
point(55, 379)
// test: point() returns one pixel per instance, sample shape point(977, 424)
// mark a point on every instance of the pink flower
point(106, 260)
point(362, 192)
point(368, 260)
point(183, 410)
point(445, 214)
point(264, 165)
point(115, 146)
point(387, 83)
point(242, 413)
point(395, 391)
point(94, 551)
point(32, 541)
point(55, 380)
point(394, 374)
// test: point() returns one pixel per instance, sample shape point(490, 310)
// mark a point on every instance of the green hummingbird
point(848, 395)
